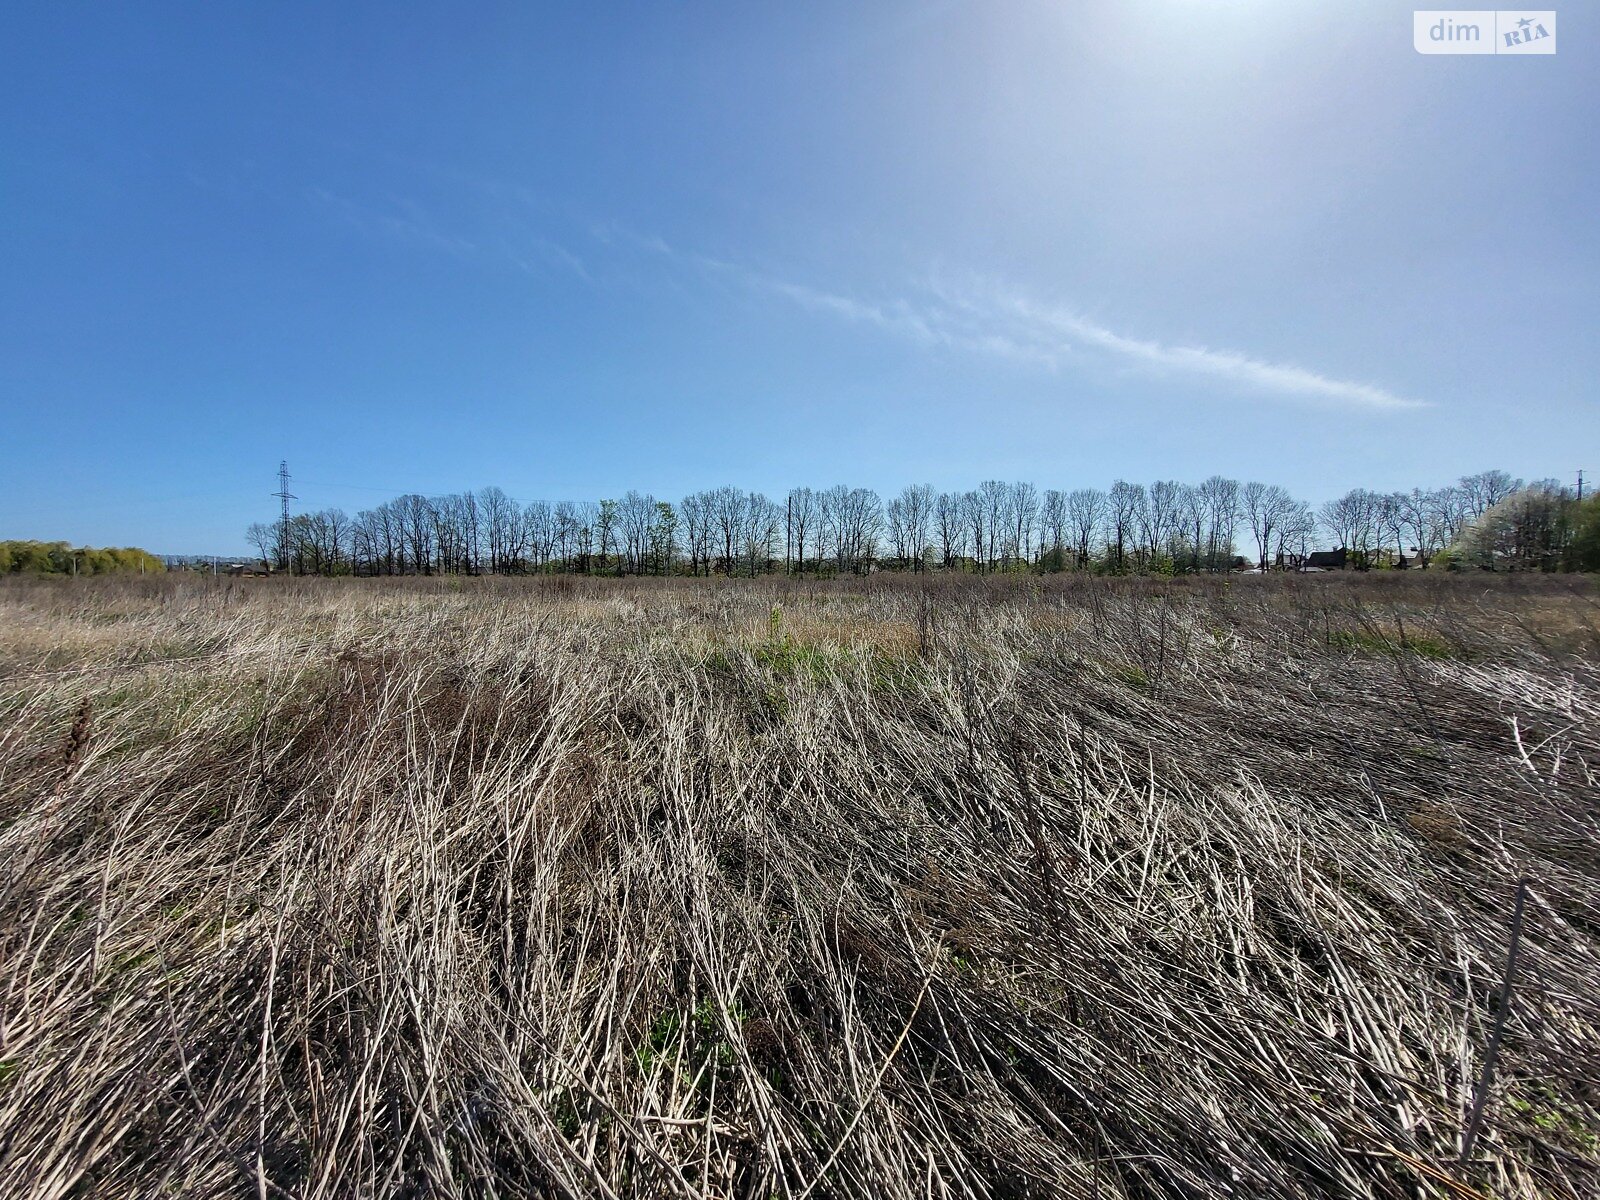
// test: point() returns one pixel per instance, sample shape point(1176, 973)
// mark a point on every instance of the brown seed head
point(77, 739)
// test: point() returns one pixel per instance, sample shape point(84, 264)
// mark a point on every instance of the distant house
point(1328, 560)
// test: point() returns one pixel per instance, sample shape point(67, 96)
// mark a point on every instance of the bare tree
point(606, 530)
point(499, 515)
point(1266, 507)
point(1426, 516)
point(1192, 523)
point(419, 532)
point(801, 516)
point(1126, 500)
point(728, 505)
point(997, 525)
point(695, 513)
point(857, 516)
point(1222, 516)
point(1023, 510)
point(1053, 529)
point(972, 512)
point(1165, 516)
point(585, 515)
point(565, 523)
point(664, 539)
point(762, 519)
point(264, 538)
point(538, 531)
point(473, 546)
point(951, 521)
point(993, 500)
point(1297, 527)
point(911, 525)
point(1086, 513)
point(1353, 521)
point(451, 524)
point(636, 517)
point(336, 532)
point(1481, 492)
point(1391, 523)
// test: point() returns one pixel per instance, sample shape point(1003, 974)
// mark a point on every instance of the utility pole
point(284, 496)
point(1580, 485)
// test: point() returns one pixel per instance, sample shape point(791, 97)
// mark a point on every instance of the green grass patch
point(1135, 678)
point(1556, 1118)
point(1364, 641)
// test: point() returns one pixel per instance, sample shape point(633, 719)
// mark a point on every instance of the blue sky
point(572, 249)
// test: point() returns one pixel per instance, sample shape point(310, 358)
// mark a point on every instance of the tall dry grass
point(979, 889)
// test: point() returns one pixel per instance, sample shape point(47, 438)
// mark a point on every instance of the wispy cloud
point(402, 220)
point(898, 319)
point(993, 320)
point(986, 319)
point(1010, 324)
point(930, 324)
point(546, 252)
point(1228, 365)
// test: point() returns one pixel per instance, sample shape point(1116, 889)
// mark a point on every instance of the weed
point(1025, 885)
point(1368, 642)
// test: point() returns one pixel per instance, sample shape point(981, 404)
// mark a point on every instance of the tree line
point(1166, 527)
point(61, 558)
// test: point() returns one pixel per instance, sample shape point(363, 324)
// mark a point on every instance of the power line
point(284, 496)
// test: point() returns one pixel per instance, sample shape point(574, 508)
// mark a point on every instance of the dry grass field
point(990, 888)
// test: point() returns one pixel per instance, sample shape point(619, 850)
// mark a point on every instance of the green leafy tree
point(61, 558)
point(664, 538)
point(1583, 552)
point(606, 529)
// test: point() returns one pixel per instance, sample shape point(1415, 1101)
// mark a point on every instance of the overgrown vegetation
point(980, 887)
point(1540, 528)
point(1169, 528)
point(62, 558)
